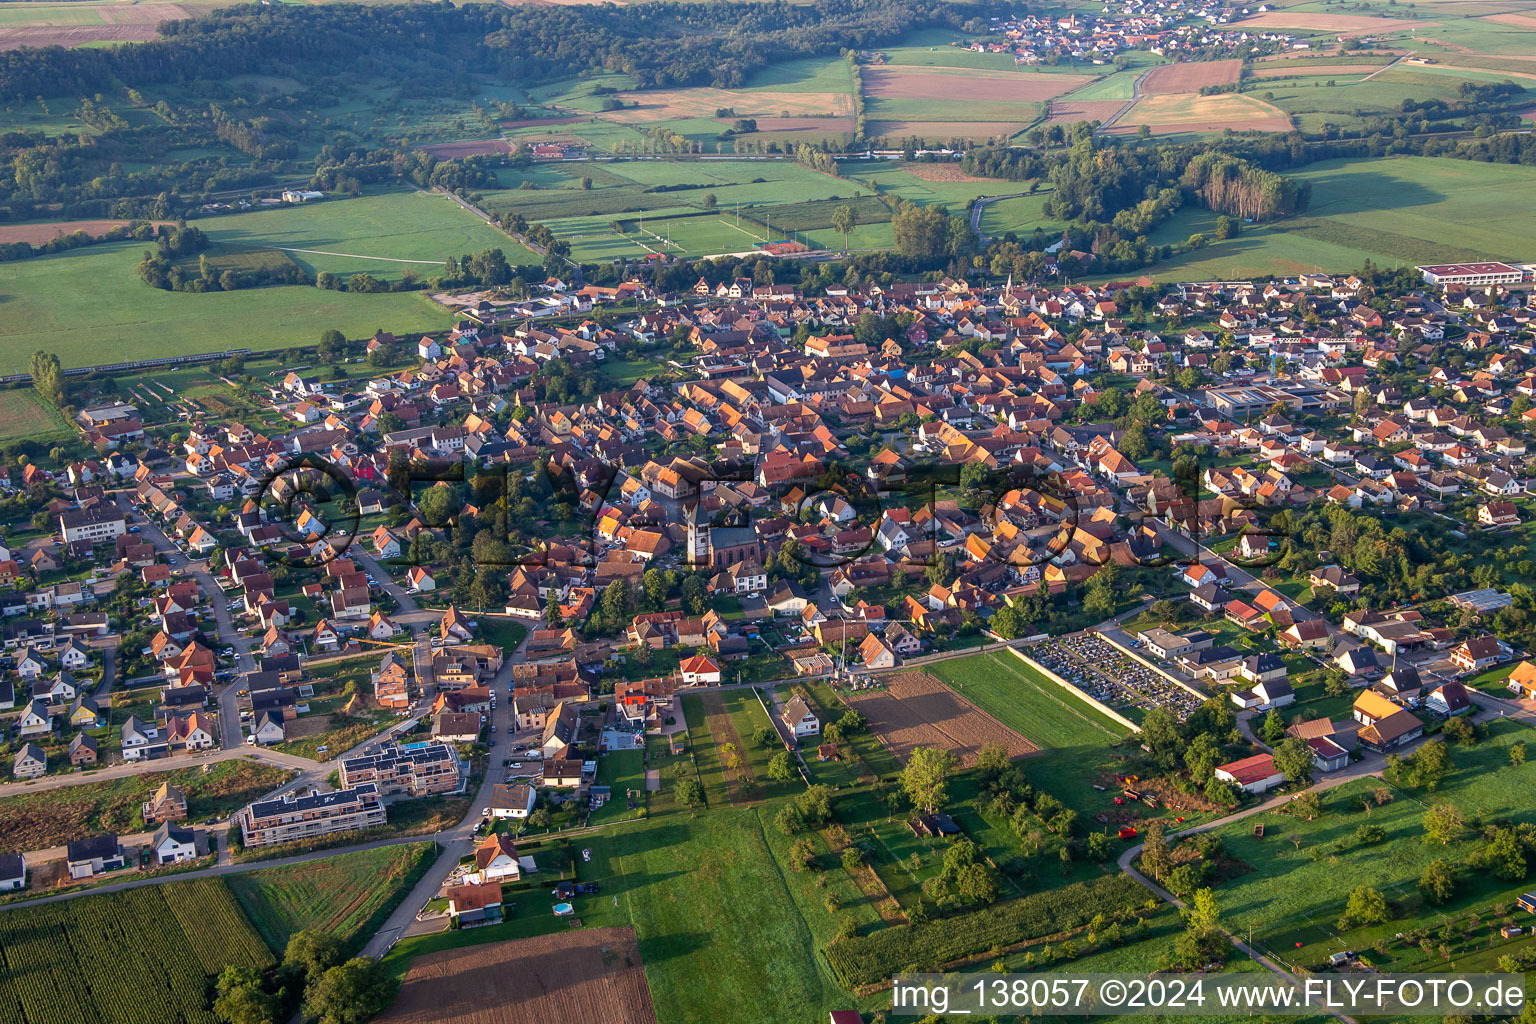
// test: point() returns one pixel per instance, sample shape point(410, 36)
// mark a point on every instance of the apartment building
point(415, 769)
point(289, 818)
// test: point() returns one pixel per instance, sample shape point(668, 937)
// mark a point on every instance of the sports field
point(1019, 697)
point(1440, 210)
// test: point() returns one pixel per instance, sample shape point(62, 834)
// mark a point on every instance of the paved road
point(1117, 115)
point(225, 697)
point(459, 840)
point(164, 764)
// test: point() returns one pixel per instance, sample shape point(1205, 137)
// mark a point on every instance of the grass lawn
point(347, 896)
point(503, 632)
point(1028, 703)
point(89, 306)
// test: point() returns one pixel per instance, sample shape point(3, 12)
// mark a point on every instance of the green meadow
point(1396, 211)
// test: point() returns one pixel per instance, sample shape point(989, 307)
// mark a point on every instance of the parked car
point(586, 887)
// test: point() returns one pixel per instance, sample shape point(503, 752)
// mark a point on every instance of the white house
point(173, 844)
point(799, 719)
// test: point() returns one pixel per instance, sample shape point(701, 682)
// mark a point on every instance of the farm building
point(1256, 774)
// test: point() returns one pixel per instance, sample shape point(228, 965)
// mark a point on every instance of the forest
point(660, 44)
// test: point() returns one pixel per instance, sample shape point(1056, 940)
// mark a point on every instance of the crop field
point(144, 956)
point(1177, 113)
point(897, 128)
point(916, 710)
point(34, 821)
point(654, 105)
point(1013, 693)
point(1441, 209)
point(888, 83)
point(593, 975)
point(1309, 21)
point(347, 896)
point(24, 415)
point(1190, 77)
point(1070, 110)
point(1308, 70)
point(1306, 869)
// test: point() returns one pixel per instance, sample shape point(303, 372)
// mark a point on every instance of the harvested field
point(1175, 114)
point(914, 83)
point(1070, 111)
point(940, 172)
point(37, 234)
point(472, 147)
point(1329, 70)
point(593, 975)
point(916, 710)
point(141, 14)
point(681, 104)
point(1529, 115)
point(767, 125)
point(945, 129)
point(1190, 77)
point(1518, 20)
point(1324, 22)
point(75, 35)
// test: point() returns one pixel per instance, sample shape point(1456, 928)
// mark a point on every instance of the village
point(496, 591)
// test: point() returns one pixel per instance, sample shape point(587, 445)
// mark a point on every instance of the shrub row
point(863, 960)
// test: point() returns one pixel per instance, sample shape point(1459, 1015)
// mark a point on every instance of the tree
point(710, 201)
point(1438, 882)
point(438, 505)
point(781, 766)
point(1444, 824)
point(615, 602)
point(1517, 754)
point(926, 776)
point(921, 232)
point(1366, 905)
point(1505, 856)
point(350, 993)
point(844, 219)
point(1294, 758)
point(311, 952)
point(688, 792)
point(48, 378)
point(654, 583)
point(240, 997)
point(764, 736)
point(992, 760)
point(1273, 728)
point(695, 596)
point(332, 345)
point(1156, 858)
